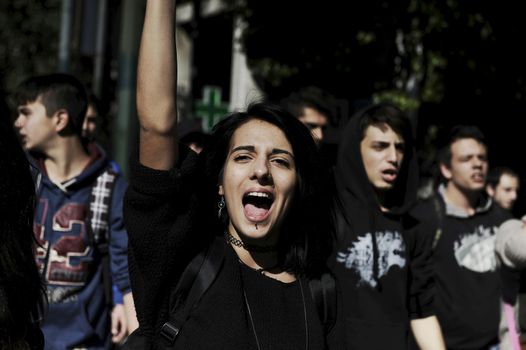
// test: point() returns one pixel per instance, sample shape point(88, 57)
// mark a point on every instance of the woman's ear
point(220, 190)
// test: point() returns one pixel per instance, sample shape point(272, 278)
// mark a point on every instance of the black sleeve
point(336, 337)
point(159, 214)
point(422, 285)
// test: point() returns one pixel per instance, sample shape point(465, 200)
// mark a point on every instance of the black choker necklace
point(251, 248)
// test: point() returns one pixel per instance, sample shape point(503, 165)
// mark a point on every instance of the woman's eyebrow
point(243, 148)
point(251, 148)
point(280, 151)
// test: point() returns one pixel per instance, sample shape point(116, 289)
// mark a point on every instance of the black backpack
point(203, 270)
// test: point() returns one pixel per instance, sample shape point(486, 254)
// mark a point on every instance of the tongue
point(255, 213)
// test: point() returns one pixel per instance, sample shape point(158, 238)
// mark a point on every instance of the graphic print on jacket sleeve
point(476, 251)
point(359, 256)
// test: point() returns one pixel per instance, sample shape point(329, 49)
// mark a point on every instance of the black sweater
point(161, 213)
point(467, 281)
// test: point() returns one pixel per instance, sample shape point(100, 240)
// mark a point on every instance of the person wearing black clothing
point(21, 289)
point(257, 188)
point(381, 264)
point(462, 221)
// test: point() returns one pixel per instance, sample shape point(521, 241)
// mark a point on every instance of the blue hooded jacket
point(78, 315)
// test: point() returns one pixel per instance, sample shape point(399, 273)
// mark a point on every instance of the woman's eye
point(282, 162)
point(241, 157)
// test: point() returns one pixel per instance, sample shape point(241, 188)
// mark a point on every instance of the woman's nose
point(261, 169)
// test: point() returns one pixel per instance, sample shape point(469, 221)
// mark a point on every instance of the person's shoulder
point(426, 215)
point(424, 206)
point(499, 214)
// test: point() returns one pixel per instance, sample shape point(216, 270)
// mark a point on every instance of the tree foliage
point(345, 47)
point(28, 39)
point(446, 62)
point(412, 52)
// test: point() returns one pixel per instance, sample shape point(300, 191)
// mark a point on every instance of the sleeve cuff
point(421, 306)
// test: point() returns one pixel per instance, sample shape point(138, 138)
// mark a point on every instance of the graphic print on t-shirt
point(359, 256)
point(476, 251)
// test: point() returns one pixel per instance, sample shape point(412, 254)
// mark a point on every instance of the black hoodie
point(383, 268)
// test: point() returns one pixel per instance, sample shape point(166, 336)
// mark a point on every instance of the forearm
point(131, 315)
point(428, 334)
point(157, 86)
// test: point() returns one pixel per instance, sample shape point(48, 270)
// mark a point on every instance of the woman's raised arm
point(156, 87)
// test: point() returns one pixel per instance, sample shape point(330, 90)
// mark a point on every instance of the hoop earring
point(220, 205)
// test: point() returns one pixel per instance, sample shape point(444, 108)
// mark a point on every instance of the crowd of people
point(247, 238)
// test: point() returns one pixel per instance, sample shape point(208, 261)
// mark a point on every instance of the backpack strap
point(98, 228)
point(323, 292)
point(197, 277)
point(440, 218)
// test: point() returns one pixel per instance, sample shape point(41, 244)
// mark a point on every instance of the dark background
point(444, 62)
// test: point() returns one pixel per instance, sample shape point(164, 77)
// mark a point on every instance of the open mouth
point(257, 205)
point(389, 175)
point(478, 177)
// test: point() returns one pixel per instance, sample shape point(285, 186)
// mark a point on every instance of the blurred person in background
point(312, 107)
point(503, 186)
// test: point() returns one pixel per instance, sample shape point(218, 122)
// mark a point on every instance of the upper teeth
point(259, 194)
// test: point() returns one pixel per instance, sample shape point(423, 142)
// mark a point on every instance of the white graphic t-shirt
point(359, 256)
point(476, 251)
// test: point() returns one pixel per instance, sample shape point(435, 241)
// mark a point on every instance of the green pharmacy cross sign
point(211, 109)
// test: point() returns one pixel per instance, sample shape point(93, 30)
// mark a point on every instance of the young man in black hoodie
point(382, 266)
point(462, 220)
